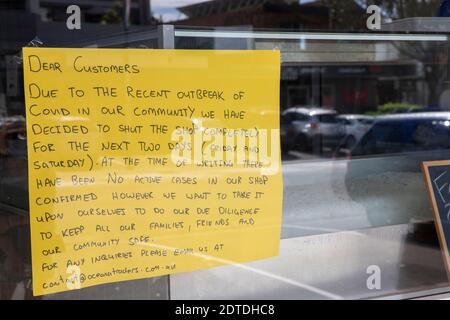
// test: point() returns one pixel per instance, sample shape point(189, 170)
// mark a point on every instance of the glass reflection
point(358, 118)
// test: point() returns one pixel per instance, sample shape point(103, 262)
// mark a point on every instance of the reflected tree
point(114, 14)
point(433, 56)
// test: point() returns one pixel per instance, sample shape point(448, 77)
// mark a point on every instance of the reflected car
point(355, 127)
point(384, 168)
point(311, 129)
point(13, 163)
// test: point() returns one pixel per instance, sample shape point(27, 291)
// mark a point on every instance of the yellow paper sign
point(150, 162)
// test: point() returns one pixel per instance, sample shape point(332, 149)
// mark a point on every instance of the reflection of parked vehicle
point(13, 163)
point(388, 182)
point(406, 133)
point(13, 136)
point(355, 126)
point(14, 228)
point(311, 129)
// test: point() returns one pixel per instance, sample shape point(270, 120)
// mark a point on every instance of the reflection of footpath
point(316, 200)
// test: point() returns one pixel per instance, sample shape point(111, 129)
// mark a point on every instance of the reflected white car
point(310, 129)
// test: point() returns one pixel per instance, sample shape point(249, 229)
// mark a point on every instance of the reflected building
point(43, 23)
point(348, 77)
point(255, 13)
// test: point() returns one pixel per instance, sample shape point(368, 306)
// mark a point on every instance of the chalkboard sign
point(437, 178)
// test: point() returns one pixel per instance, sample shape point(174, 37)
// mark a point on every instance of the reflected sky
point(166, 10)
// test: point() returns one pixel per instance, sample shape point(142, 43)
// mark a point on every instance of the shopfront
point(356, 220)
